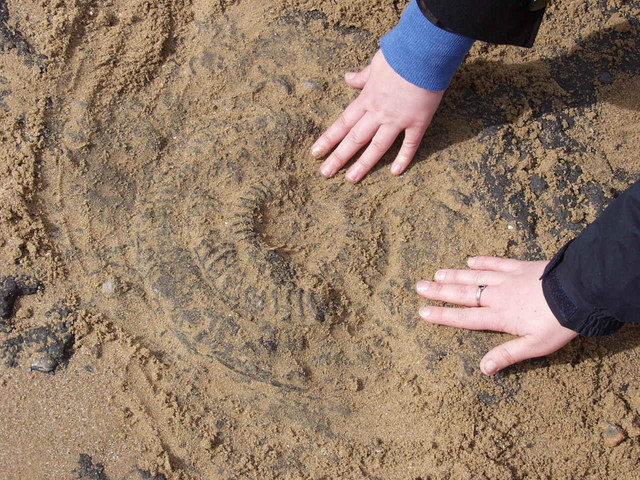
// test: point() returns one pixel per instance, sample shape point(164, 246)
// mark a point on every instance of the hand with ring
point(503, 295)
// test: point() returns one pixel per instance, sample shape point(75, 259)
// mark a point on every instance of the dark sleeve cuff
point(588, 322)
point(511, 22)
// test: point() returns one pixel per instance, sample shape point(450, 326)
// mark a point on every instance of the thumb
point(509, 353)
point(358, 79)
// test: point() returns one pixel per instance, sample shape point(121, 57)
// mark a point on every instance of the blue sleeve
point(422, 53)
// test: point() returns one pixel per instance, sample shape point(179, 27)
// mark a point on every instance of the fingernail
point(397, 165)
point(422, 286)
point(490, 367)
point(353, 175)
point(471, 261)
point(317, 151)
point(425, 312)
point(326, 171)
point(439, 276)
point(349, 75)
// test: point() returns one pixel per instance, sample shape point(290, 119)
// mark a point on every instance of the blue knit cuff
point(422, 53)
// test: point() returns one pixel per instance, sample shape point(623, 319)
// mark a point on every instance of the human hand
point(387, 106)
point(512, 302)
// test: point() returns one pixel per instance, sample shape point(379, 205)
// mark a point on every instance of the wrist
point(423, 54)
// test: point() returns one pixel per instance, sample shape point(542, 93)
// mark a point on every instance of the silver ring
point(479, 293)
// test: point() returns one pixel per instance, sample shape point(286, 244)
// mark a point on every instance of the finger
point(358, 79)
point(410, 144)
point(469, 277)
point(358, 137)
point(469, 318)
point(511, 352)
point(457, 294)
point(381, 142)
point(336, 132)
point(496, 264)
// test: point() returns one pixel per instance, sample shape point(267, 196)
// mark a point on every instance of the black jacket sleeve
point(592, 285)
point(511, 22)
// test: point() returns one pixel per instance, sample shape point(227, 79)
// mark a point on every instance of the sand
point(193, 301)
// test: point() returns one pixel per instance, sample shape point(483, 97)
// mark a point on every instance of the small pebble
point(256, 87)
point(24, 313)
point(210, 442)
point(606, 78)
point(613, 434)
point(355, 384)
point(45, 364)
point(313, 84)
point(110, 287)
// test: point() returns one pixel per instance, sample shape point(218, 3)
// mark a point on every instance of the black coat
point(592, 285)
point(512, 22)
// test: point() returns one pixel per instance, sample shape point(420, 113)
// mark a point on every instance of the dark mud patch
point(147, 475)
point(53, 343)
point(11, 39)
point(12, 288)
point(89, 470)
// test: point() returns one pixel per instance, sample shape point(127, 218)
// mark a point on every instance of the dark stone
point(46, 364)
point(605, 77)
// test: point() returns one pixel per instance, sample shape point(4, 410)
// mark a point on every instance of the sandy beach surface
point(182, 296)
